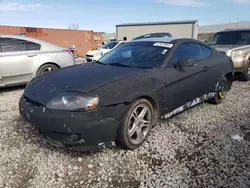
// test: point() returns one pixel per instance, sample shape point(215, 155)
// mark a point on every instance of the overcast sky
point(103, 15)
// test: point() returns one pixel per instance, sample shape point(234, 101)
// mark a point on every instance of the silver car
point(23, 58)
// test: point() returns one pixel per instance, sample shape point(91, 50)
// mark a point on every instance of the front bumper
point(74, 130)
point(89, 58)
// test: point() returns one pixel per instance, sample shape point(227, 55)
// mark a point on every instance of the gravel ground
point(207, 146)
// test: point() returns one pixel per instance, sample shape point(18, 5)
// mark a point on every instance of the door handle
point(31, 55)
point(205, 69)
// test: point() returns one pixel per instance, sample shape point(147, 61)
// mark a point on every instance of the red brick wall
point(81, 39)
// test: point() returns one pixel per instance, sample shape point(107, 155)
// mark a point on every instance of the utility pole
point(237, 23)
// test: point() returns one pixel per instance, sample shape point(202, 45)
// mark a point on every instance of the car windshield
point(109, 45)
point(137, 54)
point(231, 38)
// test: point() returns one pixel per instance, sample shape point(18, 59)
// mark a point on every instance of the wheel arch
point(230, 77)
point(154, 104)
point(47, 63)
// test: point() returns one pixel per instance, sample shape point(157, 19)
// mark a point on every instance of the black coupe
point(117, 100)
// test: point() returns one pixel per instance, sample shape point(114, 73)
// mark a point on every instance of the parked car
point(96, 53)
point(235, 43)
point(23, 58)
point(153, 35)
point(117, 100)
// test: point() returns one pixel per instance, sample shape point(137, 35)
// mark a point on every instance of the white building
point(178, 29)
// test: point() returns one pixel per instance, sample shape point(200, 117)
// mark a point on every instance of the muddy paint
point(117, 87)
point(190, 104)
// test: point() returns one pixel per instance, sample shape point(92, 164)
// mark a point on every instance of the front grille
point(89, 56)
point(223, 52)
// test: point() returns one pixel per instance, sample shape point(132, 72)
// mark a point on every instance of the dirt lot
point(199, 148)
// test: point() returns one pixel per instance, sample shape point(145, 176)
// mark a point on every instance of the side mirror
point(205, 41)
point(185, 62)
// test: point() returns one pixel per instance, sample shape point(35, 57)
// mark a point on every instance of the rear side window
point(242, 38)
point(189, 51)
point(109, 45)
point(205, 51)
point(153, 35)
point(142, 37)
point(17, 45)
point(120, 44)
point(33, 46)
point(160, 35)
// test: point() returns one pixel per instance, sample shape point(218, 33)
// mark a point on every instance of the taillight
point(68, 51)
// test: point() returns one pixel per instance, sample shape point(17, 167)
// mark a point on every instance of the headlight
point(73, 101)
point(97, 56)
point(239, 53)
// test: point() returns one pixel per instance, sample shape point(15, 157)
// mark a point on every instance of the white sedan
point(95, 54)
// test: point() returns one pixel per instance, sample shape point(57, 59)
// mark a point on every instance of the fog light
point(74, 137)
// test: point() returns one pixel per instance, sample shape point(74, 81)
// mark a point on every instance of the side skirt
point(190, 104)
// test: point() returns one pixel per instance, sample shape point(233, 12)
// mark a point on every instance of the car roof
point(155, 39)
point(41, 42)
point(155, 33)
point(170, 40)
point(164, 39)
point(230, 30)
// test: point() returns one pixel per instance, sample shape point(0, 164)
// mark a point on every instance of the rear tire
point(136, 124)
point(244, 76)
point(222, 87)
point(46, 68)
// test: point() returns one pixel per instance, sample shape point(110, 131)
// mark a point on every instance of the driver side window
point(188, 51)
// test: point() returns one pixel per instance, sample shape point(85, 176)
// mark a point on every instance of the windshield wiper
point(119, 64)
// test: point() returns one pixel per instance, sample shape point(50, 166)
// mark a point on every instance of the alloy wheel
point(222, 90)
point(248, 70)
point(47, 69)
point(140, 122)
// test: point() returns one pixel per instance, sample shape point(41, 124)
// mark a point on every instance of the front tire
point(222, 87)
point(136, 124)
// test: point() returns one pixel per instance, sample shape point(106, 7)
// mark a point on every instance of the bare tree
point(73, 26)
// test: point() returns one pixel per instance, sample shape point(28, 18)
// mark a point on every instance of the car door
point(185, 84)
point(211, 72)
point(18, 60)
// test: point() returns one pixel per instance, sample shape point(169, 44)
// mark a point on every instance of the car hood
point(93, 52)
point(80, 78)
point(225, 48)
